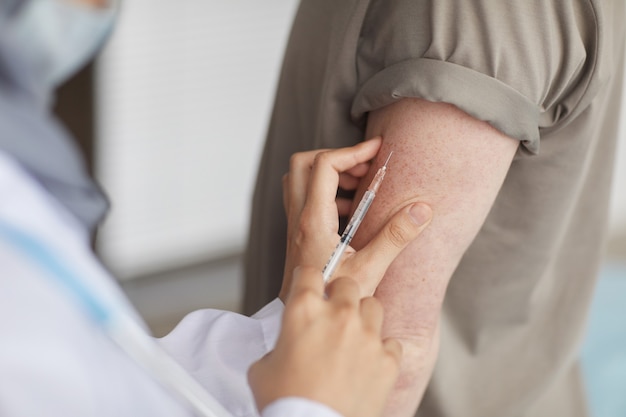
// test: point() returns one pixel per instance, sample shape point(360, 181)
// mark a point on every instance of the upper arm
point(521, 68)
point(455, 163)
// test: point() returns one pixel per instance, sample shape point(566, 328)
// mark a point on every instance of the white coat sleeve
point(218, 347)
point(298, 407)
point(54, 359)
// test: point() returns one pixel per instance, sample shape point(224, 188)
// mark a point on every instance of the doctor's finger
point(404, 227)
point(372, 314)
point(344, 292)
point(297, 179)
point(344, 206)
point(350, 179)
point(393, 348)
point(328, 165)
point(307, 281)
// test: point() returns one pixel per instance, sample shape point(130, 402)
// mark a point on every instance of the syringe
point(355, 221)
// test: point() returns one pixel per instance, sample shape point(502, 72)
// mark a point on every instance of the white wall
point(185, 89)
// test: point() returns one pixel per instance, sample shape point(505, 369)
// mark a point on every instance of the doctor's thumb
point(399, 231)
point(403, 228)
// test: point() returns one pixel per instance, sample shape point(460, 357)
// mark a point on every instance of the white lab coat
point(55, 362)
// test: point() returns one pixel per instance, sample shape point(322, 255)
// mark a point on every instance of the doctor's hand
point(329, 350)
point(313, 210)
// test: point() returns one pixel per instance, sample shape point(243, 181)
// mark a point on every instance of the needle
point(355, 221)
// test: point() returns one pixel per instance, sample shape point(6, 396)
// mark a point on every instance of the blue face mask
point(56, 38)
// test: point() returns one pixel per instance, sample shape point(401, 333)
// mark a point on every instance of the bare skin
point(456, 164)
point(312, 211)
point(330, 349)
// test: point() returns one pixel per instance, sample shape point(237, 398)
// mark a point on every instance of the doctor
point(325, 359)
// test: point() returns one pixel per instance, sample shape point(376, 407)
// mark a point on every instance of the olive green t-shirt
point(545, 72)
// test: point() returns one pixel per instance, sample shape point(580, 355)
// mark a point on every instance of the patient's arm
point(457, 164)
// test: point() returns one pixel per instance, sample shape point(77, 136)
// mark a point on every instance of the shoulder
point(542, 61)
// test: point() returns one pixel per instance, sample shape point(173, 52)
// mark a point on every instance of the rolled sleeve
point(218, 347)
point(523, 67)
point(479, 95)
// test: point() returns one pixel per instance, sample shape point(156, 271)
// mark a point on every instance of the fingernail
point(420, 213)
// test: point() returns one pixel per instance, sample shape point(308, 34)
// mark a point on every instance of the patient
point(502, 116)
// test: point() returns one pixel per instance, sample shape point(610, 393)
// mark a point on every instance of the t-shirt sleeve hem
point(481, 96)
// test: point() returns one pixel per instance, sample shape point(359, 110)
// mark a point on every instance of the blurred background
point(179, 103)
point(172, 118)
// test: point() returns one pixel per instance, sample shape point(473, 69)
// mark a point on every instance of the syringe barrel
point(378, 179)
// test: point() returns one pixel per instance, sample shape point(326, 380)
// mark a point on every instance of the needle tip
point(388, 157)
